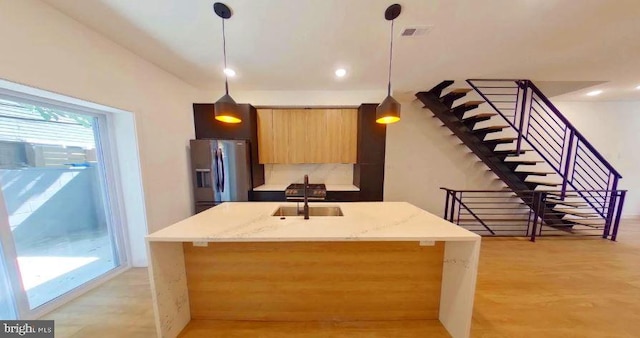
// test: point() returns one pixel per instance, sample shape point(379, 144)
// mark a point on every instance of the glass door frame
point(10, 263)
point(114, 207)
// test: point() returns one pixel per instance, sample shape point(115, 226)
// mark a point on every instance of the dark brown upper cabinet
point(207, 127)
point(371, 135)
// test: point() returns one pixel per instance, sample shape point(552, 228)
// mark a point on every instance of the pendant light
point(226, 109)
point(389, 110)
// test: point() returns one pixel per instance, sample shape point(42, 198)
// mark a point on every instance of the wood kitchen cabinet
point(342, 133)
point(307, 135)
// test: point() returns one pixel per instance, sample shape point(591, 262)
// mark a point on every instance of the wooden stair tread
point(480, 116)
point(567, 203)
point(577, 213)
point(599, 223)
point(485, 115)
point(587, 221)
point(551, 184)
point(525, 162)
point(537, 173)
point(531, 174)
point(473, 103)
point(456, 94)
point(558, 193)
point(488, 220)
point(502, 139)
point(514, 152)
point(437, 89)
point(490, 128)
point(556, 205)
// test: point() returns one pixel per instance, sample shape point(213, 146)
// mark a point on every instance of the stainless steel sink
point(284, 211)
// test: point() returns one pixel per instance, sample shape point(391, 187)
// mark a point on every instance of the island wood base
point(314, 281)
point(309, 284)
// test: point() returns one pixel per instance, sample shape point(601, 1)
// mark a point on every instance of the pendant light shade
point(389, 110)
point(225, 109)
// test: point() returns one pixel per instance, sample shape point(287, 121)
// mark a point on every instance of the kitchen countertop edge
point(362, 221)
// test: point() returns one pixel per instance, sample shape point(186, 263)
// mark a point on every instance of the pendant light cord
point(224, 53)
point(390, 60)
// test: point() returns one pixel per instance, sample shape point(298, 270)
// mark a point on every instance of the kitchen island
point(389, 267)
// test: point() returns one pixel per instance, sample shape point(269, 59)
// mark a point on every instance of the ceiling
point(297, 44)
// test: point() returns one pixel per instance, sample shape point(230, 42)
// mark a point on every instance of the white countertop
point(283, 187)
point(362, 221)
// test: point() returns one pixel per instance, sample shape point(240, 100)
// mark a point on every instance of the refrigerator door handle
point(222, 174)
point(216, 166)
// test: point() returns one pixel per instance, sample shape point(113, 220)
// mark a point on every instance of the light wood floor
point(556, 287)
point(119, 308)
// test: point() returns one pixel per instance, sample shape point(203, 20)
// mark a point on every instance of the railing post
point(523, 105)
point(539, 203)
point(446, 204)
point(459, 207)
point(614, 235)
point(609, 191)
point(535, 198)
point(610, 210)
point(453, 206)
point(529, 220)
point(566, 160)
point(515, 108)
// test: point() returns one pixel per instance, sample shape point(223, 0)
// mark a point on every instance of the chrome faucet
point(306, 197)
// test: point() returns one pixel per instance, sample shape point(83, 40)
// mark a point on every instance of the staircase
point(532, 147)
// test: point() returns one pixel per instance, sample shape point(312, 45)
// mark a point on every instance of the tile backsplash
point(327, 173)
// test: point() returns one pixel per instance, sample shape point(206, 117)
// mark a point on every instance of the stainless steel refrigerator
point(221, 172)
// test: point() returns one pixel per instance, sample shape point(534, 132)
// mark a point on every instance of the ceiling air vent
point(415, 30)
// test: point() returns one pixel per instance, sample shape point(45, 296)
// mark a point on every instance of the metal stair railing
point(522, 213)
point(540, 124)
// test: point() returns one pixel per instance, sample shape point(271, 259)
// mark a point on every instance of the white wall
point(613, 128)
point(422, 155)
point(45, 49)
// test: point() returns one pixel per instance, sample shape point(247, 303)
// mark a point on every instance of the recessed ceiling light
point(341, 72)
point(638, 88)
point(594, 93)
point(229, 72)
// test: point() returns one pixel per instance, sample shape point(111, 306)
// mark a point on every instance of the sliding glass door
point(8, 308)
point(60, 214)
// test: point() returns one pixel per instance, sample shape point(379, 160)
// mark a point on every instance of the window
point(58, 183)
